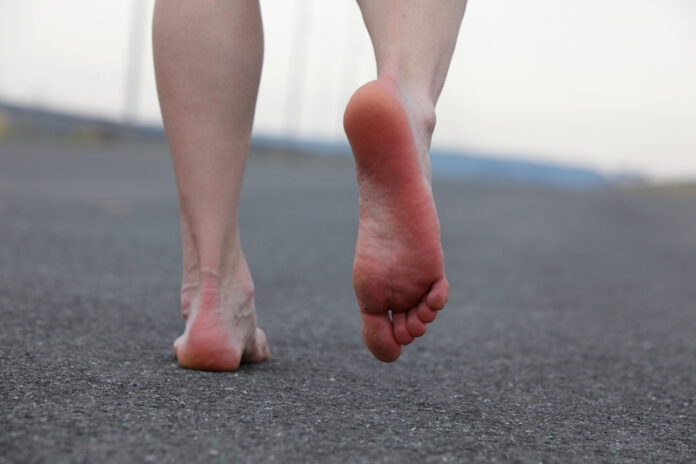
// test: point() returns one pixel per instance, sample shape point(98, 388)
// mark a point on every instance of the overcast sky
point(603, 83)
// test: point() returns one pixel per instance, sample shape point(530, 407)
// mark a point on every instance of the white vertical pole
point(136, 45)
point(298, 68)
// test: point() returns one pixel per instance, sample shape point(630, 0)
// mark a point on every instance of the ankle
point(233, 281)
point(424, 118)
point(218, 267)
point(419, 105)
point(417, 98)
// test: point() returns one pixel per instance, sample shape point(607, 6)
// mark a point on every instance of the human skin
point(208, 56)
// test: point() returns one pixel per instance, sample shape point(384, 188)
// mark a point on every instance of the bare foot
point(221, 330)
point(398, 272)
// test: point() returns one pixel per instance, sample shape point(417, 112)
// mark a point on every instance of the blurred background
point(605, 86)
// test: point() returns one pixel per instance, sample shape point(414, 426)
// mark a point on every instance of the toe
point(175, 346)
point(415, 326)
point(437, 298)
point(258, 350)
point(378, 335)
point(401, 333)
point(425, 313)
point(262, 344)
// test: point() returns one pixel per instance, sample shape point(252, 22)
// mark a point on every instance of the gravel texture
point(570, 335)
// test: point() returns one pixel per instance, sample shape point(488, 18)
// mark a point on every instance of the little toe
point(437, 297)
point(415, 326)
point(425, 313)
point(401, 333)
point(378, 335)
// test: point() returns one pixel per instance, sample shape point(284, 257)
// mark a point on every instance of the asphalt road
point(570, 335)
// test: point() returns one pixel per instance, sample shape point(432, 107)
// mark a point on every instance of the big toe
point(177, 344)
point(258, 350)
point(378, 335)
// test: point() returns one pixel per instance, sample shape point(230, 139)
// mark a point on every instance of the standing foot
point(221, 330)
point(398, 272)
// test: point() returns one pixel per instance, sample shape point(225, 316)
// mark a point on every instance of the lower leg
point(208, 59)
point(398, 273)
point(414, 40)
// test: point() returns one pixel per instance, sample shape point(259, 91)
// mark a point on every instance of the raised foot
point(221, 330)
point(398, 272)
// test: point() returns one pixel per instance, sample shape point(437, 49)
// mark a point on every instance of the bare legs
point(208, 57)
point(398, 273)
point(414, 40)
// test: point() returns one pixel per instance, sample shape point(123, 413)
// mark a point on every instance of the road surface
point(570, 335)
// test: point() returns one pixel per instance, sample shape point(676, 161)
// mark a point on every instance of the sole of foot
point(398, 272)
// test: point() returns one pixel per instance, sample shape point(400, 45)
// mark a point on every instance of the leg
point(398, 274)
point(208, 57)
